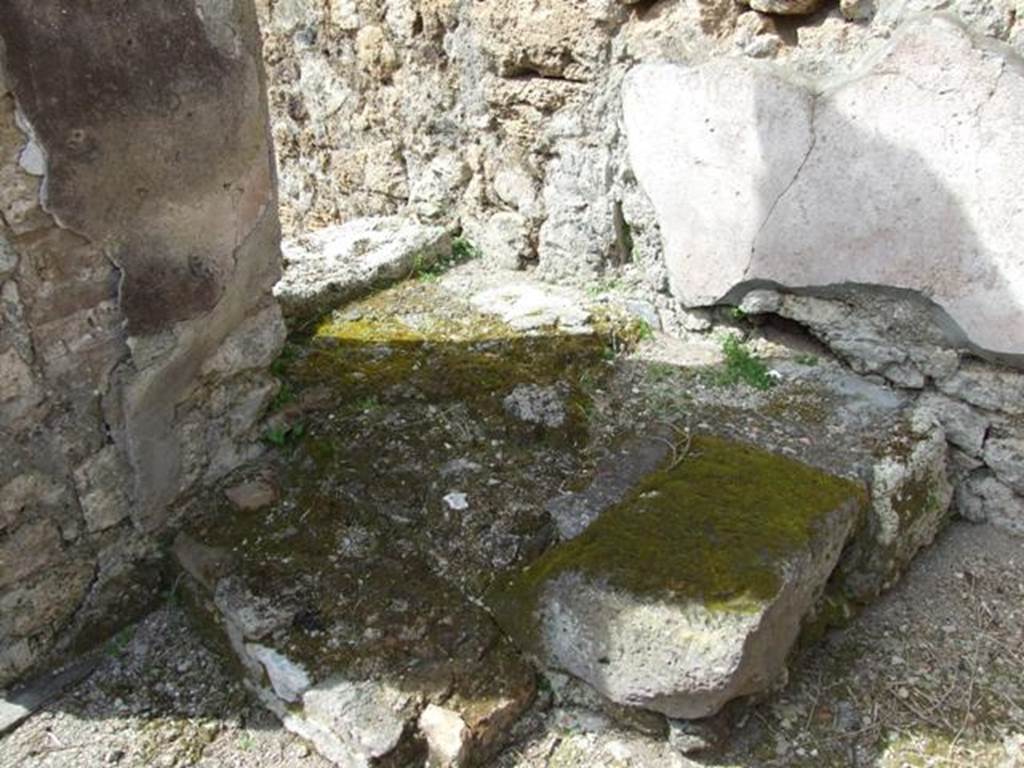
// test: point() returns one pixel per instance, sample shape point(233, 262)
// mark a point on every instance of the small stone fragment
point(456, 501)
point(446, 734)
point(857, 10)
point(786, 7)
point(251, 495)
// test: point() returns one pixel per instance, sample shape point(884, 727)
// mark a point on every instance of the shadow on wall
point(910, 181)
point(905, 176)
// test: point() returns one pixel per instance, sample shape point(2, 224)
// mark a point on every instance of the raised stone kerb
point(907, 175)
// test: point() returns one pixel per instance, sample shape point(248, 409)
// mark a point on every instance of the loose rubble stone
point(446, 734)
point(983, 498)
point(987, 387)
point(786, 7)
point(1005, 455)
point(251, 495)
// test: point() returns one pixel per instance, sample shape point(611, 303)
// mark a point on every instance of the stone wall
point(139, 241)
point(504, 117)
point(866, 167)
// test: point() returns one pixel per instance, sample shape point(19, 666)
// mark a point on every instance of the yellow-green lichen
point(716, 528)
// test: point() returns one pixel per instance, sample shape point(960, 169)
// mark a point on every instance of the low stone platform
point(471, 475)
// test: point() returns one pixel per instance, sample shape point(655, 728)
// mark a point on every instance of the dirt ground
point(931, 675)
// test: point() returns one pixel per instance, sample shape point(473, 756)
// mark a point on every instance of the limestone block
point(662, 602)
point(336, 264)
point(907, 175)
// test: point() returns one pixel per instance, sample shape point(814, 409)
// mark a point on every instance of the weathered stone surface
point(1005, 455)
point(349, 644)
point(337, 264)
point(251, 495)
point(786, 7)
point(446, 734)
point(614, 478)
point(504, 240)
point(527, 307)
point(728, 136)
point(986, 387)
point(252, 346)
point(874, 332)
point(356, 723)
point(693, 591)
point(982, 498)
point(543, 406)
point(965, 427)
point(139, 232)
point(27, 549)
point(910, 503)
point(103, 487)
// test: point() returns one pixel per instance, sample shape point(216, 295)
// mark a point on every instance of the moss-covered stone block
point(692, 591)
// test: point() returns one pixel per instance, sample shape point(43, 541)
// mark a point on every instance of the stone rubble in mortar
point(979, 404)
point(504, 117)
point(337, 588)
point(347, 591)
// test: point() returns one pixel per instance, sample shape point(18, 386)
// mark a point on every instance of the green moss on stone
point(715, 528)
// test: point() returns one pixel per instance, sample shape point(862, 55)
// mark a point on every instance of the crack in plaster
point(792, 181)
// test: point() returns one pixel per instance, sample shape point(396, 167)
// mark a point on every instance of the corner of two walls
point(139, 242)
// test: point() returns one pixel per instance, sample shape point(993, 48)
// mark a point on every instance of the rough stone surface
point(138, 246)
point(615, 477)
point(986, 387)
point(446, 734)
point(330, 266)
point(543, 406)
point(982, 498)
point(1005, 455)
point(784, 156)
point(685, 648)
point(526, 307)
point(786, 7)
point(251, 495)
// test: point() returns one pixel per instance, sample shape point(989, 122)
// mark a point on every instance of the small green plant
point(738, 314)
point(643, 330)
point(429, 270)
point(604, 285)
point(367, 404)
point(743, 366)
point(285, 395)
point(806, 359)
point(463, 250)
point(288, 353)
point(119, 642)
point(284, 436)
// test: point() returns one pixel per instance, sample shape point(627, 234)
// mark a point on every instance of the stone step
point(772, 515)
point(375, 660)
point(478, 491)
point(344, 572)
